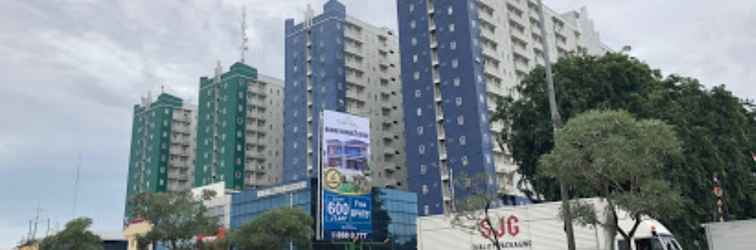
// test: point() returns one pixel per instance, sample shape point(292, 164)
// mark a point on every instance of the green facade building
point(221, 128)
point(150, 145)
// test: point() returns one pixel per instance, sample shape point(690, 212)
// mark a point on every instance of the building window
point(450, 11)
point(453, 45)
point(413, 41)
point(455, 63)
point(451, 27)
point(418, 93)
point(426, 209)
point(457, 81)
point(413, 24)
point(414, 58)
point(462, 140)
point(458, 101)
point(420, 130)
point(461, 120)
point(423, 169)
point(419, 112)
point(416, 75)
point(425, 189)
point(411, 8)
point(465, 162)
point(421, 149)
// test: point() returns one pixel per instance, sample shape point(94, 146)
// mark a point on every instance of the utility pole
point(556, 123)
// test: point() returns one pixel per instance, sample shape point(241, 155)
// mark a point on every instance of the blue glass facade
point(247, 205)
point(315, 81)
point(444, 91)
point(400, 206)
point(402, 210)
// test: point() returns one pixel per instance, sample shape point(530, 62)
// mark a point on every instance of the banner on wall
point(346, 204)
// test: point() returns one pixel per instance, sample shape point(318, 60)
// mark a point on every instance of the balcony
point(446, 192)
point(354, 94)
point(444, 171)
point(353, 77)
point(437, 94)
point(442, 155)
point(255, 170)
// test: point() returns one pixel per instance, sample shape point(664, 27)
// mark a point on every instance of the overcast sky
point(72, 70)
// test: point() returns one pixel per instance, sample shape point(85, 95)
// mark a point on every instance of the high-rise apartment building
point(162, 148)
point(458, 57)
point(337, 62)
point(239, 128)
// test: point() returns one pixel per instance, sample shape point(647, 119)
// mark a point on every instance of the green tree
point(473, 210)
point(274, 229)
point(620, 159)
point(716, 129)
point(76, 235)
point(175, 217)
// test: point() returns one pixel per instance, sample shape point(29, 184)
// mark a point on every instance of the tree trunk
point(610, 230)
point(490, 225)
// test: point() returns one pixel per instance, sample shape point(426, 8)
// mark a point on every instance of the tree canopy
point(75, 235)
point(176, 218)
point(274, 229)
point(621, 160)
point(717, 130)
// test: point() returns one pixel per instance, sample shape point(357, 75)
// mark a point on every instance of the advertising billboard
point(346, 203)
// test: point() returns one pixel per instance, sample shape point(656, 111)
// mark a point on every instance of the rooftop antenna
point(308, 14)
point(245, 39)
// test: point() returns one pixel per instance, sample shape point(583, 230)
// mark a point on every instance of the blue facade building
point(315, 81)
point(394, 218)
point(448, 141)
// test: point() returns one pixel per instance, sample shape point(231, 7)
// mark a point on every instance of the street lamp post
point(556, 122)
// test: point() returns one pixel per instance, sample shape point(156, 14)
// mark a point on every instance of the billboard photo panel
point(345, 198)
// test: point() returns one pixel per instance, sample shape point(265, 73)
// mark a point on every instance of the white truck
point(536, 227)
point(733, 235)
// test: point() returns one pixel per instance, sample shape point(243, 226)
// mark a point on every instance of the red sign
point(507, 225)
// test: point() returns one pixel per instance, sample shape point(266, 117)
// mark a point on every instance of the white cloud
point(708, 40)
point(73, 70)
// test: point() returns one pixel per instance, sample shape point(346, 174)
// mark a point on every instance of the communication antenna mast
point(245, 39)
point(76, 186)
point(36, 223)
point(308, 15)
